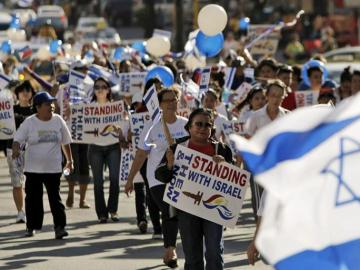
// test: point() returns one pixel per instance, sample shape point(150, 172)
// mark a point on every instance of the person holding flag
point(153, 144)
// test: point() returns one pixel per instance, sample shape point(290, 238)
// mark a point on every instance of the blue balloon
point(118, 53)
point(209, 45)
point(139, 46)
point(310, 64)
point(164, 74)
point(54, 46)
point(244, 23)
point(6, 46)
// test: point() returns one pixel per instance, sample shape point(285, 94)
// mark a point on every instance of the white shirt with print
point(44, 140)
point(157, 139)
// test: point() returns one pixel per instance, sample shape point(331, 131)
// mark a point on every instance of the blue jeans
point(98, 156)
point(194, 231)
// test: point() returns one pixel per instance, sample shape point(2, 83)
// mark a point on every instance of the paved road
point(98, 246)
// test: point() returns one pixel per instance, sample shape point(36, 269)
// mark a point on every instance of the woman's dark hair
point(256, 89)
point(312, 69)
point(150, 82)
point(346, 75)
point(167, 90)
point(196, 112)
point(297, 72)
point(270, 62)
point(24, 86)
point(108, 96)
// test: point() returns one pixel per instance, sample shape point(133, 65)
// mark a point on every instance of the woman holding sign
point(98, 156)
point(195, 230)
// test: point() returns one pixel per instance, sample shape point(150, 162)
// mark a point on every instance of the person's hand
point(129, 187)
point(170, 158)
point(252, 253)
point(15, 153)
point(70, 166)
point(54, 89)
point(218, 158)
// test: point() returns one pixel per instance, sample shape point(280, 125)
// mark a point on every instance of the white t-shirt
point(159, 144)
point(44, 140)
point(260, 118)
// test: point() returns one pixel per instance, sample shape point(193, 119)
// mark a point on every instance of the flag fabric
point(152, 104)
point(190, 89)
point(96, 71)
point(229, 76)
point(204, 79)
point(308, 163)
point(4, 81)
point(25, 53)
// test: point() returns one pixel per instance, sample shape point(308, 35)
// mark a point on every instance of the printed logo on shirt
point(47, 136)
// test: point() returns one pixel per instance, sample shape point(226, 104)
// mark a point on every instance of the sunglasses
point(100, 87)
point(203, 124)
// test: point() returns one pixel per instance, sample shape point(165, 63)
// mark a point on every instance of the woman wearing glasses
point(196, 231)
point(98, 156)
point(153, 145)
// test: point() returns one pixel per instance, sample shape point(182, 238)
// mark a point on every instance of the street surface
point(93, 246)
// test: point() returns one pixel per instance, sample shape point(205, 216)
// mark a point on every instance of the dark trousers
point(144, 199)
point(169, 224)
point(34, 199)
point(81, 164)
point(99, 156)
point(194, 232)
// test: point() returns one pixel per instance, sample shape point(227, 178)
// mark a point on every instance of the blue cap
point(42, 97)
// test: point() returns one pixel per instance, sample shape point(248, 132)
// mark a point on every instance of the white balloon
point(158, 46)
point(192, 62)
point(212, 19)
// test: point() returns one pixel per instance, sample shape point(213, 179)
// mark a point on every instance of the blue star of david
point(343, 183)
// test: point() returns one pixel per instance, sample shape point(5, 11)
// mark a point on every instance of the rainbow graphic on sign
point(110, 130)
point(219, 203)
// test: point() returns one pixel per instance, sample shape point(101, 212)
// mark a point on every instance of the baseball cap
point(42, 97)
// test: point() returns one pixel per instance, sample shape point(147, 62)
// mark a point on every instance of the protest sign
point(306, 98)
point(126, 160)
point(95, 123)
point(205, 79)
point(131, 83)
point(137, 124)
point(266, 46)
point(7, 119)
point(213, 191)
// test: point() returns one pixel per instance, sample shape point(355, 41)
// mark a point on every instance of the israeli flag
point(309, 164)
point(204, 80)
point(152, 104)
point(229, 76)
point(4, 81)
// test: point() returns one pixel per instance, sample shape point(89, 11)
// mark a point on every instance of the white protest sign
point(204, 79)
point(213, 191)
point(4, 81)
point(95, 123)
point(7, 119)
point(265, 46)
point(249, 73)
point(306, 98)
point(126, 160)
point(137, 124)
point(131, 83)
